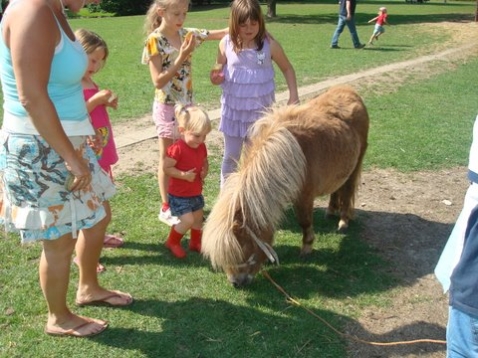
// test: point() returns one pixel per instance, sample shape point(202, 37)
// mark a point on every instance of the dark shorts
point(183, 205)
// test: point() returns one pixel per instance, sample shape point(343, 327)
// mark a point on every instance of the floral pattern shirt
point(180, 88)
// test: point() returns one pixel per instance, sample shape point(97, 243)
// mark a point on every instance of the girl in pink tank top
point(97, 102)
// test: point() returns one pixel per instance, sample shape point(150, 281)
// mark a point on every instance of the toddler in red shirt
point(381, 20)
point(186, 165)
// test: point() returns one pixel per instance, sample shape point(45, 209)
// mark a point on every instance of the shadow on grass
point(210, 328)
point(380, 250)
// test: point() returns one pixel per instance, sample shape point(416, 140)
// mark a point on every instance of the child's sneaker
point(166, 217)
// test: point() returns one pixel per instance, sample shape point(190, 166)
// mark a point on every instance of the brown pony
point(295, 154)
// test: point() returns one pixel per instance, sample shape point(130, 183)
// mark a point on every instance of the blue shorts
point(378, 29)
point(183, 205)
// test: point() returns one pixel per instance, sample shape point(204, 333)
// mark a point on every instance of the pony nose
point(239, 281)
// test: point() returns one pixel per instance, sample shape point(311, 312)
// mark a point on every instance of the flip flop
point(105, 301)
point(99, 267)
point(73, 332)
point(112, 241)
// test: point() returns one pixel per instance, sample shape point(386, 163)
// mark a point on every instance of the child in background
point(245, 71)
point(167, 52)
point(96, 103)
point(186, 165)
point(381, 20)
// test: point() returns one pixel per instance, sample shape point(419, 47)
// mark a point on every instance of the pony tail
point(153, 20)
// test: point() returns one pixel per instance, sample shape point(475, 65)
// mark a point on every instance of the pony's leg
point(334, 207)
point(344, 198)
point(304, 210)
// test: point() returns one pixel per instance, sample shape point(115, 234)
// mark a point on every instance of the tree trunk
point(271, 8)
point(476, 12)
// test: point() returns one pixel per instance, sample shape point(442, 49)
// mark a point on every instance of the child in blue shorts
point(186, 165)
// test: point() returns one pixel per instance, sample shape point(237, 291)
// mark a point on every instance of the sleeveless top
point(107, 154)
point(69, 64)
point(248, 88)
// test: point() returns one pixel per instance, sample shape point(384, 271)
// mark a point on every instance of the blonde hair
point(192, 118)
point(241, 12)
point(153, 20)
point(91, 41)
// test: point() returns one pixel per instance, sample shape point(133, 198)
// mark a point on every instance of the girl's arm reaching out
point(217, 34)
point(280, 58)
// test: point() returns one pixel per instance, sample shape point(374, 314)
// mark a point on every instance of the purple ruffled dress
point(247, 90)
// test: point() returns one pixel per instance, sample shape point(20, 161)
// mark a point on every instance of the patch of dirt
point(406, 217)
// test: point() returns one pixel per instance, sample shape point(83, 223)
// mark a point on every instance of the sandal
point(93, 326)
point(112, 241)
point(110, 300)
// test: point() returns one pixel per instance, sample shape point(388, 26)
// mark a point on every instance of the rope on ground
point(297, 303)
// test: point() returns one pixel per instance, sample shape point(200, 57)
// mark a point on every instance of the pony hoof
point(306, 251)
point(329, 214)
point(342, 226)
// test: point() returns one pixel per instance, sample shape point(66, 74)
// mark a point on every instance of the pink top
point(107, 155)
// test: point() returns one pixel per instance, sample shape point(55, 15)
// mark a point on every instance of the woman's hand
point(80, 175)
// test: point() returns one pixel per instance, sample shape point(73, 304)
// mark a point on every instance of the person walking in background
point(52, 186)
point(380, 21)
point(346, 17)
point(187, 166)
point(457, 267)
point(167, 52)
point(97, 102)
point(245, 72)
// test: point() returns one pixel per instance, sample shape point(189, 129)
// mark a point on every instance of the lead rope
point(297, 303)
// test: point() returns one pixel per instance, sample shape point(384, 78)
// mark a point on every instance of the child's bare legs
point(371, 39)
point(54, 272)
point(88, 249)
point(163, 180)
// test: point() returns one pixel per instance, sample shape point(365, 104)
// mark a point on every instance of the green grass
point(304, 30)
point(183, 308)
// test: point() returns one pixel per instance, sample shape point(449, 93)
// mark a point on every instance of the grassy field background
point(304, 31)
point(183, 308)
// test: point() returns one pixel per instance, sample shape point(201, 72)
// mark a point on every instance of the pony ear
point(236, 226)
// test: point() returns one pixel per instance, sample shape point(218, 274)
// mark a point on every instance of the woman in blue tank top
point(53, 189)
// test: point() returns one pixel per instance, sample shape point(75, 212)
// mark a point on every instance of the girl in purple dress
point(245, 72)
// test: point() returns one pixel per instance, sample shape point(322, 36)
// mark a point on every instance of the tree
point(476, 12)
point(124, 7)
point(271, 8)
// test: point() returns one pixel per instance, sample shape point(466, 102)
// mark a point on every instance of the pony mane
point(270, 175)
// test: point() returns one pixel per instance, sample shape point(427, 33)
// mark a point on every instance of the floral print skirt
point(34, 200)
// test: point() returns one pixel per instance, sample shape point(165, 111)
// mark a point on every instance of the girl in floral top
point(167, 52)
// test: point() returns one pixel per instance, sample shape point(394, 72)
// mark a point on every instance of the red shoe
point(176, 250)
point(195, 246)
